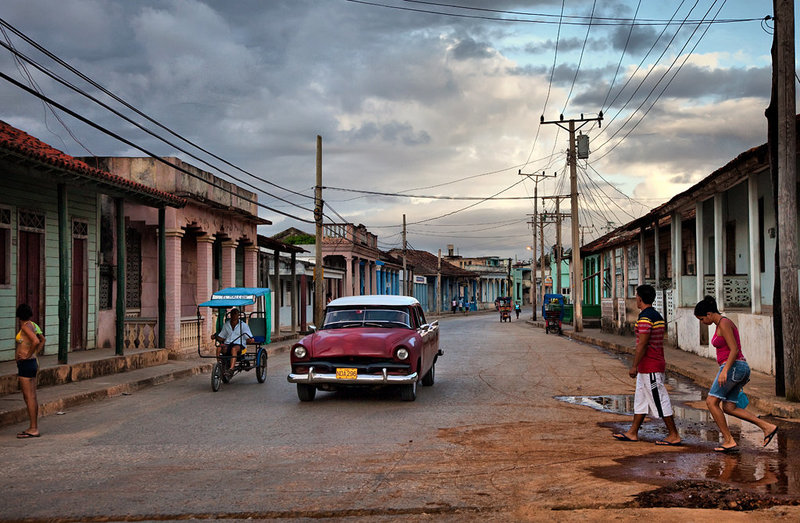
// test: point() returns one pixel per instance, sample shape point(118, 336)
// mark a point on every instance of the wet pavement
point(774, 470)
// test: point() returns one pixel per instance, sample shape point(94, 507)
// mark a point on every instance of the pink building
point(211, 243)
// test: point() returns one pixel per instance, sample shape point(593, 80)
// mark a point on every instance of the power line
point(140, 148)
point(686, 58)
point(605, 21)
point(580, 60)
point(424, 196)
point(84, 77)
point(137, 125)
point(622, 56)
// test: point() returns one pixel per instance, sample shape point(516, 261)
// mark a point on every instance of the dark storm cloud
point(468, 48)
point(392, 132)
point(692, 82)
point(566, 45)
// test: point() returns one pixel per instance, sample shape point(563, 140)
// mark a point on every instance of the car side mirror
point(312, 328)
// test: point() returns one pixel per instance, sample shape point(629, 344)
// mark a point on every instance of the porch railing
point(190, 332)
point(141, 333)
point(735, 289)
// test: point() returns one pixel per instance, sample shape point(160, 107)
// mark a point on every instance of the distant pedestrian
point(29, 341)
point(733, 374)
point(517, 309)
point(463, 304)
point(454, 306)
point(651, 397)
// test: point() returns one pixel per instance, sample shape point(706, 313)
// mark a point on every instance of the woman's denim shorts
point(738, 376)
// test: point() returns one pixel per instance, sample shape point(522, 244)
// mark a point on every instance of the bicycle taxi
point(254, 306)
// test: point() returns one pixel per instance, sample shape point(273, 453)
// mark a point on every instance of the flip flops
point(25, 435)
point(727, 450)
point(665, 443)
point(623, 437)
point(768, 437)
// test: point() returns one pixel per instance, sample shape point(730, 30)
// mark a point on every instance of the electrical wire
point(580, 59)
point(64, 82)
point(658, 97)
point(424, 196)
point(622, 56)
point(605, 21)
point(140, 148)
point(87, 79)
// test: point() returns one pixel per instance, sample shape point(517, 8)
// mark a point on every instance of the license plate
point(346, 374)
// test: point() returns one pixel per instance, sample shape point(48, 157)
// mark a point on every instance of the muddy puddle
point(764, 473)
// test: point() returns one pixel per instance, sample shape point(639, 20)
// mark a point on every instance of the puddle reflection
point(774, 470)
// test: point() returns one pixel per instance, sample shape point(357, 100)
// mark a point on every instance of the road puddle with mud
point(755, 476)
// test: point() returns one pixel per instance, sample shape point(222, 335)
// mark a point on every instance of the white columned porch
point(755, 244)
point(700, 262)
point(677, 257)
point(641, 256)
point(719, 292)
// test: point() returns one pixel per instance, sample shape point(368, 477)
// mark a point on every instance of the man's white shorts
point(651, 398)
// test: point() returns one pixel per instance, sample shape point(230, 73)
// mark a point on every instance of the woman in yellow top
point(30, 342)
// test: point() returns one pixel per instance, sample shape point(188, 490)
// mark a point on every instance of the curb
point(103, 391)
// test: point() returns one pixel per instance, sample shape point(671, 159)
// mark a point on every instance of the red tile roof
point(426, 264)
point(25, 145)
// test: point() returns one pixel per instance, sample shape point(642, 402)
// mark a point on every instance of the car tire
point(216, 376)
point(408, 392)
point(430, 376)
point(306, 392)
point(261, 366)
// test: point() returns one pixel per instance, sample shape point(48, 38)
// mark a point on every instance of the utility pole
point(558, 216)
point(783, 112)
point(319, 283)
point(577, 271)
point(536, 179)
point(405, 270)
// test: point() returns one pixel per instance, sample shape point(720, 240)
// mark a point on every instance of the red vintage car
point(367, 341)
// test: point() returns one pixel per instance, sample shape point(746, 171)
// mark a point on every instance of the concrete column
point(205, 268)
point(348, 276)
point(657, 247)
point(228, 264)
point(700, 259)
point(251, 266)
point(677, 257)
point(755, 244)
point(641, 257)
point(625, 272)
point(719, 255)
point(373, 277)
point(172, 331)
point(293, 280)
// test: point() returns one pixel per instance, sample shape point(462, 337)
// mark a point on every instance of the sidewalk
point(760, 390)
point(96, 374)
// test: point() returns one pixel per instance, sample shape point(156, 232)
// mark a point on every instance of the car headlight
point(300, 352)
point(401, 354)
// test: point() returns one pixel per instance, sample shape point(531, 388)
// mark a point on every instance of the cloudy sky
point(418, 98)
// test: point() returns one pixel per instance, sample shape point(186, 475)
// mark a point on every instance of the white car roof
point(374, 299)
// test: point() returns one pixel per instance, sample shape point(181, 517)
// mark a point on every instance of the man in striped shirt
point(651, 398)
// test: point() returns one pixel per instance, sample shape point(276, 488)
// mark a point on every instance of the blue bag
point(742, 401)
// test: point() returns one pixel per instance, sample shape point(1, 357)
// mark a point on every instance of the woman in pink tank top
point(734, 373)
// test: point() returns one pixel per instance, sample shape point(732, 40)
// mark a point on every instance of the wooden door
point(78, 299)
point(29, 273)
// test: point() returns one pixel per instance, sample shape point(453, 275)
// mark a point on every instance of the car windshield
point(353, 317)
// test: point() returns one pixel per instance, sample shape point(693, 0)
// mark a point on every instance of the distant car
point(367, 341)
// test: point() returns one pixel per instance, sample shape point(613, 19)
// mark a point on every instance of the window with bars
point(31, 221)
point(80, 229)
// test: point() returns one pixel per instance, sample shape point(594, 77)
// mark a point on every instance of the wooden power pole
point(405, 270)
point(536, 179)
point(577, 270)
point(319, 282)
point(784, 75)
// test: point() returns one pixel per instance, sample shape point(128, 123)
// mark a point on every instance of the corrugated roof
point(426, 264)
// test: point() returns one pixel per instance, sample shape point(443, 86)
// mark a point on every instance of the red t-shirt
point(653, 360)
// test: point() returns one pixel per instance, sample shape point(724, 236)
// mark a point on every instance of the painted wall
point(755, 333)
point(27, 189)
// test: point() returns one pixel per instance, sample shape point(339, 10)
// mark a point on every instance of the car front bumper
point(384, 378)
